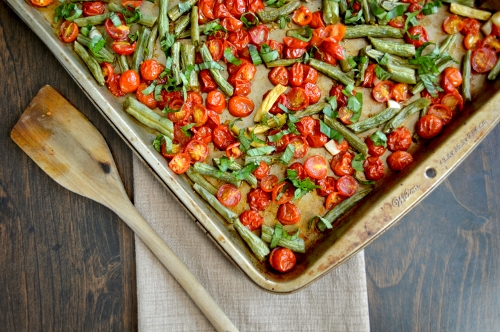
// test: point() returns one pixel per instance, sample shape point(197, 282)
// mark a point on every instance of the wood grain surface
point(67, 263)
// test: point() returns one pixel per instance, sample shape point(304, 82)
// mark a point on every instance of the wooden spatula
point(72, 152)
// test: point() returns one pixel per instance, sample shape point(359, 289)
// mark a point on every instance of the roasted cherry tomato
point(441, 111)
point(207, 7)
point(453, 24)
point(117, 33)
point(294, 53)
point(429, 126)
point(415, 6)
point(400, 92)
point(129, 81)
point(382, 92)
point(176, 148)
point(251, 219)
point(282, 143)
point(333, 199)
point(240, 106)
point(180, 136)
point(123, 47)
point(231, 24)
point(451, 79)
point(317, 139)
point(278, 75)
point(245, 73)
point(228, 195)
point(399, 139)
point(416, 36)
point(373, 168)
point(316, 167)
point(149, 99)
point(68, 31)
point(473, 41)
point(310, 74)
point(345, 115)
point(258, 199)
point(301, 146)
point(296, 74)
point(151, 69)
point(297, 99)
point(492, 42)
point(216, 101)
point(180, 163)
point(240, 39)
point(341, 164)
point(483, 59)
point(276, 46)
point(216, 48)
point(259, 34)
point(181, 116)
point(453, 101)
point(283, 192)
point(288, 214)
point(200, 114)
point(471, 25)
point(294, 42)
point(93, 8)
point(203, 134)
point(282, 259)
point(433, 100)
point(317, 20)
point(41, 3)
point(336, 92)
point(275, 109)
point(369, 76)
point(207, 82)
point(220, 10)
point(333, 32)
point(327, 186)
point(302, 16)
point(374, 150)
point(234, 151)
point(269, 182)
point(213, 120)
point(299, 169)
point(222, 137)
point(262, 171)
point(132, 3)
point(334, 49)
point(306, 126)
point(113, 85)
point(197, 151)
point(312, 92)
point(398, 22)
point(347, 185)
point(399, 160)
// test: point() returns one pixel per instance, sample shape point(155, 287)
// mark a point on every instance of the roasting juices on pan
point(313, 140)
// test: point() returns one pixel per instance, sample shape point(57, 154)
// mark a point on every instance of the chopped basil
point(132, 15)
point(187, 127)
point(287, 156)
point(385, 59)
point(265, 150)
point(157, 94)
point(115, 20)
point(330, 132)
point(168, 143)
point(350, 19)
point(212, 28)
point(256, 139)
point(245, 171)
point(276, 3)
point(399, 10)
point(86, 30)
point(232, 123)
point(323, 224)
point(278, 231)
point(96, 44)
point(184, 7)
point(355, 104)
point(244, 141)
point(365, 183)
point(254, 20)
point(307, 34)
point(431, 7)
point(225, 163)
point(208, 65)
point(332, 101)
point(267, 54)
point(167, 42)
point(276, 137)
point(283, 21)
point(302, 186)
point(381, 73)
point(411, 19)
point(133, 36)
point(379, 139)
point(254, 54)
point(295, 236)
point(65, 10)
point(357, 162)
point(149, 89)
point(228, 55)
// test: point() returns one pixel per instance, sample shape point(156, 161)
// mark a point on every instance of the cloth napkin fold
point(336, 302)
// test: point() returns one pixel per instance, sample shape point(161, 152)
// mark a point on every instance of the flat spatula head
point(63, 142)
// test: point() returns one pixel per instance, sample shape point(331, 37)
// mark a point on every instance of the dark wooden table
point(67, 263)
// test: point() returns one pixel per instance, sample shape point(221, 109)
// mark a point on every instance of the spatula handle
point(174, 265)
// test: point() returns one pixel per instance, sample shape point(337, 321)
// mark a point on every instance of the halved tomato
point(316, 167)
point(197, 151)
point(228, 195)
point(180, 163)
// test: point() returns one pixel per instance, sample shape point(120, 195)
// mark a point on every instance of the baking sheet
point(391, 199)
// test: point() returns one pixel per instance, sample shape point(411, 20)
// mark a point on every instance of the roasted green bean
point(258, 247)
point(148, 117)
point(331, 71)
point(217, 76)
point(201, 181)
point(163, 19)
point(374, 121)
point(140, 49)
point(195, 31)
point(229, 215)
point(103, 55)
point(250, 179)
point(310, 110)
point(182, 7)
point(348, 135)
point(181, 25)
point(402, 74)
point(91, 63)
point(466, 75)
point(402, 49)
point(331, 11)
point(151, 44)
point(282, 63)
point(296, 245)
point(91, 20)
point(147, 20)
point(380, 31)
point(211, 171)
point(272, 15)
point(188, 55)
point(405, 113)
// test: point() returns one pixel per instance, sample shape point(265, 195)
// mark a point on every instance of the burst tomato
point(149, 99)
point(222, 137)
point(129, 81)
point(181, 116)
point(399, 160)
point(288, 214)
point(400, 92)
point(180, 136)
point(333, 199)
point(259, 34)
point(231, 24)
point(117, 33)
point(176, 148)
point(281, 143)
point(203, 134)
point(369, 76)
point(453, 24)
point(317, 20)
point(451, 79)
point(262, 171)
point(441, 111)
point(472, 41)
point(93, 8)
point(429, 126)
point(251, 219)
point(216, 101)
point(316, 167)
point(228, 195)
point(197, 151)
point(258, 199)
point(278, 75)
point(282, 259)
point(269, 182)
point(299, 169)
point(306, 126)
point(471, 25)
point(294, 42)
point(240, 39)
point(483, 59)
point(296, 74)
point(399, 139)
point(294, 53)
point(416, 36)
point(327, 186)
point(453, 101)
point(240, 106)
point(207, 82)
point(301, 146)
point(347, 185)
point(123, 47)
point(382, 92)
point(297, 99)
point(200, 114)
point(373, 168)
point(282, 192)
point(233, 151)
point(341, 164)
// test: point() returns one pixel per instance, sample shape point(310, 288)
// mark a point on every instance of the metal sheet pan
point(389, 201)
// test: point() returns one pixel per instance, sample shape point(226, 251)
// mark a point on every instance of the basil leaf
point(86, 30)
point(256, 139)
point(149, 89)
point(245, 143)
point(132, 15)
point(295, 236)
point(379, 139)
point(167, 42)
point(228, 55)
point(267, 54)
point(212, 28)
point(224, 163)
point(185, 129)
point(330, 132)
point(248, 24)
point(233, 122)
point(305, 38)
point(287, 156)
point(245, 171)
point(278, 231)
point(254, 54)
point(411, 19)
point(381, 73)
point(265, 150)
point(399, 10)
point(302, 186)
point(323, 224)
point(96, 44)
point(276, 137)
point(385, 59)
point(432, 7)
point(357, 162)
point(115, 20)
point(184, 7)
point(208, 65)
point(366, 183)
point(157, 94)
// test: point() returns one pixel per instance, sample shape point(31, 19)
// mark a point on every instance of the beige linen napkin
point(337, 302)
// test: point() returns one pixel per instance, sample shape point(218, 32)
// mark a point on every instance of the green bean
point(424, 111)
point(91, 20)
point(390, 5)
point(257, 159)
point(229, 215)
point(282, 63)
point(395, 60)
point(296, 245)
point(202, 27)
point(447, 44)
point(491, 76)
point(235, 167)
point(175, 52)
point(148, 117)
point(182, 7)
point(86, 0)
point(91, 63)
point(310, 110)
point(349, 136)
point(258, 247)
point(272, 15)
point(188, 54)
point(216, 75)
point(402, 49)
point(466, 74)
point(151, 44)
point(201, 181)
point(163, 19)
point(343, 6)
point(103, 55)
point(379, 31)
point(147, 20)
point(211, 171)
point(195, 31)
point(182, 24)
point(140, 49)
point(405, 113)
point(362, 65)
point(343, 207)
point(123, 63)
point(441, 65)
point(402, 74)
point(367, 12)
point(374, 121)
point(330, 71)
point(331, 11)
point(344, 64)
point(468, 3)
